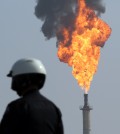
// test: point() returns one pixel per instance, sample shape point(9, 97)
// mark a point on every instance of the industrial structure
point(86, 115)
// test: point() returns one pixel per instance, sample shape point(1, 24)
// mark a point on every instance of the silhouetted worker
point(32, 113)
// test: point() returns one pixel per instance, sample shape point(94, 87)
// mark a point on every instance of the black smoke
point(96, 5)
point(57, 14)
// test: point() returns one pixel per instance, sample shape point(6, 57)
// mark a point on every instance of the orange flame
point(83, 52)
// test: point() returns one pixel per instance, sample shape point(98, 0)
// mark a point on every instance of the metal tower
point(86, 115)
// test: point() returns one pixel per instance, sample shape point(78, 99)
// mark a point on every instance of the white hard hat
point(27, 66)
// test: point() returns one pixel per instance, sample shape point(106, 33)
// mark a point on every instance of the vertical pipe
point(86, 115)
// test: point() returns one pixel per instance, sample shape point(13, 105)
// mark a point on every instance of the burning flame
point(81, 50)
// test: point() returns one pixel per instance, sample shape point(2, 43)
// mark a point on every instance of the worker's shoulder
point(51, 105)
point(47, 100)
point(18, 104)
point(50, 102)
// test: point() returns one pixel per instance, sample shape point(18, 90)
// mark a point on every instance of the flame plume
point(80, 48)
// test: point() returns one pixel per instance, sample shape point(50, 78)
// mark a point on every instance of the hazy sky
point(20, 37)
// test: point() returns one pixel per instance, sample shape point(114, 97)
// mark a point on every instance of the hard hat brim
point(9, 74)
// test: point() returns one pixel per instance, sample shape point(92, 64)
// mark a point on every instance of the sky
point(20, 36)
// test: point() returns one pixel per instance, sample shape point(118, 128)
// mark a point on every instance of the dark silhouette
point(32, 113)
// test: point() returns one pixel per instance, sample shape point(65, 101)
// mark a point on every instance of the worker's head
point(27, 74)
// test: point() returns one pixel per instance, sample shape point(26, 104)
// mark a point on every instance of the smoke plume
point(96, 5)
point(57, 14)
